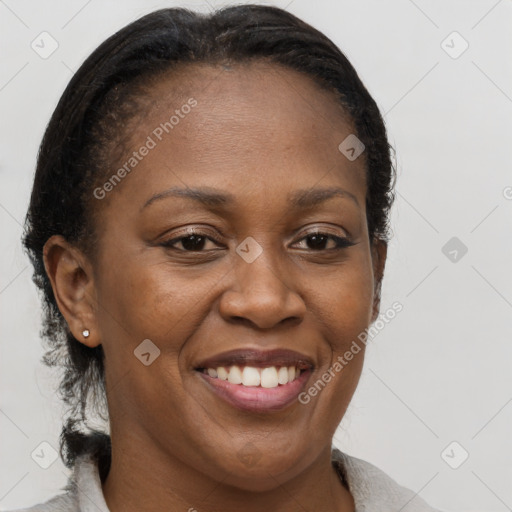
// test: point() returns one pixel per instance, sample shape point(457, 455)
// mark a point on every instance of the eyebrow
point(308, 198)
point(211, 198)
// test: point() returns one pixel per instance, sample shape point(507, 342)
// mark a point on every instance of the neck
point(149, 479)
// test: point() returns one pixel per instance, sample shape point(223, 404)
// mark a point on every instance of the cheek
point(342, 312)
point(144, 302)
point(344, 303)
point(138, 290)
point(151, 300)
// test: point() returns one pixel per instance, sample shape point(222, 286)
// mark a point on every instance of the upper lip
point(257, 358)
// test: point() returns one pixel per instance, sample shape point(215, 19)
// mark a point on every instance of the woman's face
point(245, 169)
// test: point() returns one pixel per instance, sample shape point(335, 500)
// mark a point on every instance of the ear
point(379, 255)
point(72, 281)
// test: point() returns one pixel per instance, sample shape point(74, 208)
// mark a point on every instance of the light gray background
point(440, 371)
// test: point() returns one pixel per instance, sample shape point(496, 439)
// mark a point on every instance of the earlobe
point(73, 287)
point(379, 255)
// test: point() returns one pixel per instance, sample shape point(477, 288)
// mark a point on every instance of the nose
point(262, 295)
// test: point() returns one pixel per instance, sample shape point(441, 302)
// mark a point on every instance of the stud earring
point(85, 333)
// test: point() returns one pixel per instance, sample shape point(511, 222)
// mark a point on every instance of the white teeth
point(222, 373)
point(251, 376)
point(270, 377)
point(235, 375)
point(282, 375)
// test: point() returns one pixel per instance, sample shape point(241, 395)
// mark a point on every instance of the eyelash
point(341, 242)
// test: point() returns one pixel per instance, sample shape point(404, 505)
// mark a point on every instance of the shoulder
point(61, 503)
point(375, 491)
point(82, 493)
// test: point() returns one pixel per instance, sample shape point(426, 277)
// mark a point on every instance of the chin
point(254, 471)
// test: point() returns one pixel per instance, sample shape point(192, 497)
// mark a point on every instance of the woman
point(209, 227)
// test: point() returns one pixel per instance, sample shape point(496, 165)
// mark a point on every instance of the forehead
point(250, 90)
point(251, 127)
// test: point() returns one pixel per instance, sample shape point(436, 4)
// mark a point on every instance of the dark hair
point(106, 92)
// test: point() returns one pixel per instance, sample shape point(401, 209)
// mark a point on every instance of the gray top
point(372, 489)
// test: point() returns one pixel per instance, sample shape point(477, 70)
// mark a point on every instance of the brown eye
point(192, 242)
point(318, 241)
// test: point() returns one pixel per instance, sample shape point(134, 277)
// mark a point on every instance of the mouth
point(256, 380)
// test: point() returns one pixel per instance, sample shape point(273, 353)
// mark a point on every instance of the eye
point(193, 241)
point(197, 241)
point(318, 240)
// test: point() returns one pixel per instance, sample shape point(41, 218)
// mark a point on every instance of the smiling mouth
point(251, 376)
point(255, 380)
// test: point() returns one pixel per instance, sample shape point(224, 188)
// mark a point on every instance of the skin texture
point(259, 132)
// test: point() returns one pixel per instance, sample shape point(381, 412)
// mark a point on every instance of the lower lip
point(256, 398)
